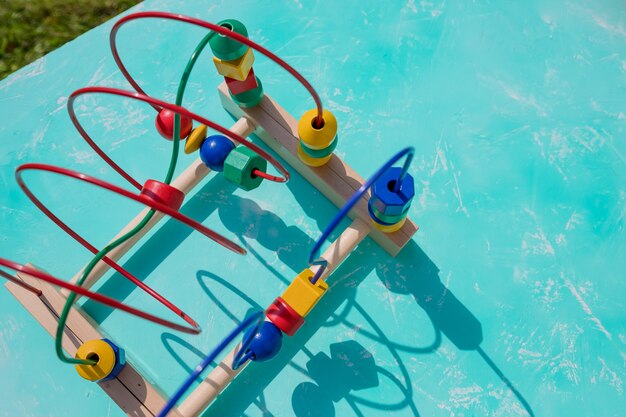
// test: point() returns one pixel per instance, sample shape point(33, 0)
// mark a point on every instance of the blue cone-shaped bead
point(266, 342)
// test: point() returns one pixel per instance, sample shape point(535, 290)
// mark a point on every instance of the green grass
point(30, 29)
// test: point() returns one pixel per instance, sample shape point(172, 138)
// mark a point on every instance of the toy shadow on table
point(216, 192)
point(412, 273)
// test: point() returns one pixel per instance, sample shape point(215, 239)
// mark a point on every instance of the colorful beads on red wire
point(234, 61)
point(317, 143)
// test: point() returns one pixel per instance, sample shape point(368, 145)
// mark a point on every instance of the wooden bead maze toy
point(377, 206)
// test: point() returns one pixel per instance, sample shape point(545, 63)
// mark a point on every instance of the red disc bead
point(163, 193)
point(165, 124)
point(284, 317)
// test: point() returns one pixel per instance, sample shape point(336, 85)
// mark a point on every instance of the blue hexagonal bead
point(385, 200)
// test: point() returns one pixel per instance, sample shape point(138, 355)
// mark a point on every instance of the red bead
point(284, 317)
point(163, 193)
point(238, 87)
point(165, 124)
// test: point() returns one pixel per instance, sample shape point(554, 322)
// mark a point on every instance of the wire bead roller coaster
point(378, 207)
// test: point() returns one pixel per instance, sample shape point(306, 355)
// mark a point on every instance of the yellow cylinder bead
point(195, 139)
point(102, 353)
point(389, 228)
point(309, 160)
point(315, 138)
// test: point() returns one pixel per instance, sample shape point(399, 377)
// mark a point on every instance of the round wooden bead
point(214, 151)
point(225, 47)
point(266, 342)
point(249, 98)
point(163, 193)
point(165, 124)
point(108, 360)
point(284, 317)
point(313, 137)
point(239, 165)
point(195, 139)
point(386, 200)
point(309, 160)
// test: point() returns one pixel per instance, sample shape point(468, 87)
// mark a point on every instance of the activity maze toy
point(378, 207)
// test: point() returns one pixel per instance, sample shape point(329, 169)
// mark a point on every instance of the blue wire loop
point(255, 319)
point(323, 263)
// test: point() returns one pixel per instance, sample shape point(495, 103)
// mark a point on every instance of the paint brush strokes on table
point(509, 301)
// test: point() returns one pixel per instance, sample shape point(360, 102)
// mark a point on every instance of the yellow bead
point(195, 139)
point(309, 160)
point(317, 138)
point(237, 69)
point(100, 351)
point(301, 295)
point(391, 228)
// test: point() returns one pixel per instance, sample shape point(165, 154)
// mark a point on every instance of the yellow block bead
point(103, 353)
point(237, 69)
point(301, 295)
point(195, 139)
point(309, 160)
point(317, 138)
point(391, 228)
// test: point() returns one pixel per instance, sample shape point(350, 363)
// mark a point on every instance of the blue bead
point(120, 361)
point(388, 202)
point(214, 151)
point(266, 342)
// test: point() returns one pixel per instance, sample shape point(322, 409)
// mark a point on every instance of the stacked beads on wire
point(317, 143)
point(388, 206)
point(234, 61)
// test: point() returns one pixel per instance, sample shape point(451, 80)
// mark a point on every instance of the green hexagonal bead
point(227, 48)
point(239, 165)
point(249, 98)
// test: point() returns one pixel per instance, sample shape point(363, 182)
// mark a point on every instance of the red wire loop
point(102, 299)
point(265, 175)
point(177, 109)
point(139, 198)
point(216, 28)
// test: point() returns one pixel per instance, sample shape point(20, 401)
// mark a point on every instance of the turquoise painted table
point(509, 301)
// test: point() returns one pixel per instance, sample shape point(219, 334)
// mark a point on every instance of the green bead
point(249, 98)
point(239, 165)
point(226, 48)
point(391, 219)
point(319, 153)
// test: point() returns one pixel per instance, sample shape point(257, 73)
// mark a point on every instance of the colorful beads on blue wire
point(109, 360)
point(317, 143)
point(388, 208)
point(214, 150)
point(266, 342)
